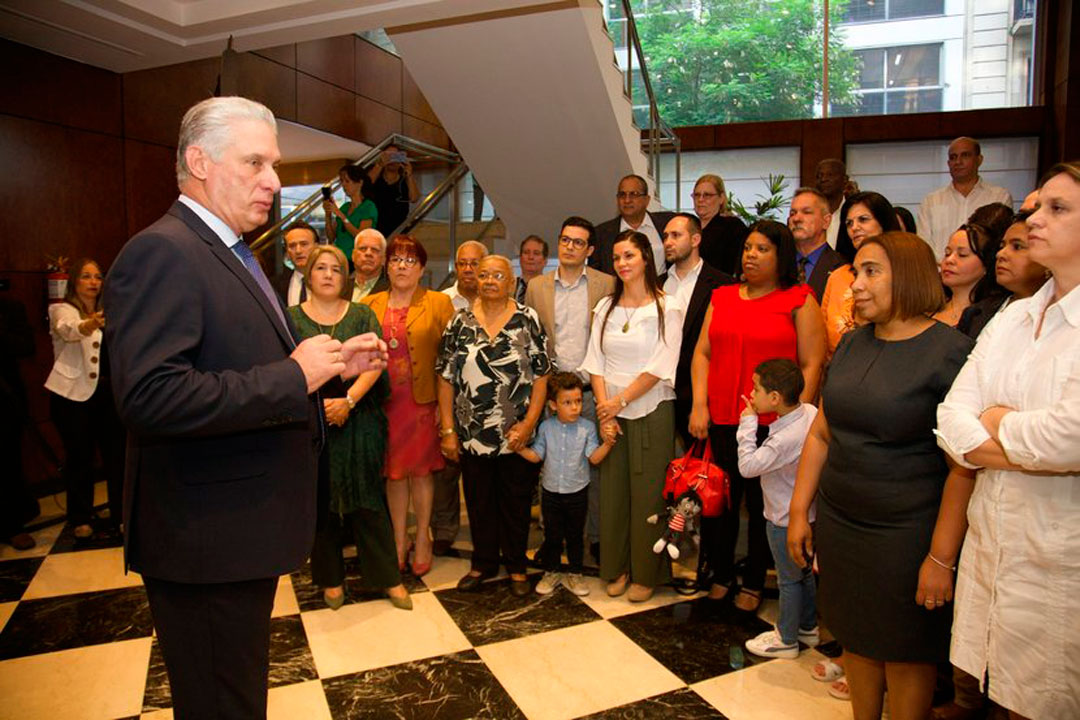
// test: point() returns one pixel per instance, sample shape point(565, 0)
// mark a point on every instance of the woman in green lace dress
point(351, 488)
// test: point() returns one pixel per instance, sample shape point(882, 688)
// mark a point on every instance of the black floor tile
point(692, 639)
point(290, 657)
point(15, 576)
point(683, 704)
point(70, 621)
point(448, 687)
point(309, 596)
point(67, 542)
point(492, 614)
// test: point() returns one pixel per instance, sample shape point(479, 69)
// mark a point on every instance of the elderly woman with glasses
point(493, 367)
point(413, 320)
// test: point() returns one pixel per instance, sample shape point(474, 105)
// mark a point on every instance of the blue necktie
point(241, 249)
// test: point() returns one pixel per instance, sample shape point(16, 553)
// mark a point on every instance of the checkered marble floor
point(76, 641)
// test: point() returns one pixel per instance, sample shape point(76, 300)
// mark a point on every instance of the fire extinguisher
point(57, 279)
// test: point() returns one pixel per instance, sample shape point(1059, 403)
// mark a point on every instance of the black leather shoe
point(440, 548)
point(468, 583)
point(519, 588)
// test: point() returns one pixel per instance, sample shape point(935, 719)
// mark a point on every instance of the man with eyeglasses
point(633, 202)
point(446, 506)
point(368, 256)
point(564, 299)
point(947, 208)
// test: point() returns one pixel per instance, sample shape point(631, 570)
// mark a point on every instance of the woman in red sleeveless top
point(768, 315)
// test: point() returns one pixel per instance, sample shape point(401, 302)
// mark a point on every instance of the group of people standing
point(399, 381)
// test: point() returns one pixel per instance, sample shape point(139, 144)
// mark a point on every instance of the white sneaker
point(810, 638)
point(575, 584)
point(769, 645)
point(548, 583)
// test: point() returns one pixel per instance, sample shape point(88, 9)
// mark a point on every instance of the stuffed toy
point(683, 515)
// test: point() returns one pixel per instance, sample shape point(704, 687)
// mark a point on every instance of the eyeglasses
point(496, 275)
point(467, 263)
point(577, 243)
point(703, 195)
point(406, 260)
point(629, 195)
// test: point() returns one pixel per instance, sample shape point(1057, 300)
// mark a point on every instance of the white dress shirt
point(296, 285)
point(1018, 587)
point(639, 350)
point(945, 209)
point(649, 230)
point(777, 459)
point(834, 227)
point(571, 322)
point(459, 301)
point(683, 288)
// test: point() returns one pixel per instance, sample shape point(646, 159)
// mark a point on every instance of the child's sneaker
point(575, 584)
point(769, 645)
point(548, 583)
point(810, 638)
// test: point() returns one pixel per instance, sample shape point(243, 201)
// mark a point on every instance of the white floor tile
point(284, 598)
point(375, 634)
point(576, 671)
point(304, 700)
point(100, 682)
point(775, 690)
point(44, 539)
point(84, 571)
point(5, 612)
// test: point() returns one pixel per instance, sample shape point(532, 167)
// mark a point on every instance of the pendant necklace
point(333, 328)
point(629, 317)
point(392, 327)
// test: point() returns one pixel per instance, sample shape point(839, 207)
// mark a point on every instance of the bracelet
point(444, 432)
point(938, 562)
point(350, 401)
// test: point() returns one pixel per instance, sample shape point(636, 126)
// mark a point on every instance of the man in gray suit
point(564, 299)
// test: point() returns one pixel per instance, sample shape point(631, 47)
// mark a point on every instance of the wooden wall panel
point(271, 83)
point(282, 54)
point(332, 60)
point(378, 74)
point(156, 100)
point(325, 107)
point(149, 182)
point(821, 139)
point(66, 196)
point(376, 120)
point(425, 132)
point(415, 103)
point(50, 88)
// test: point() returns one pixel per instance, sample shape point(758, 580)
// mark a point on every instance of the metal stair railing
point(659, 134)
point(422, 152)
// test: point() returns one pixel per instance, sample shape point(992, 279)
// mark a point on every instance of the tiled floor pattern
point(76, 641)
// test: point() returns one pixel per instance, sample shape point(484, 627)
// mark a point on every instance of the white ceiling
point(300, 143)
point(126, 35)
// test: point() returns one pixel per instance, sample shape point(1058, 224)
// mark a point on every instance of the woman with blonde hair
point(722, 235)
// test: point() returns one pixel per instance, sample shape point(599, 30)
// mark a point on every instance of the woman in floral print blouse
point(493, 369)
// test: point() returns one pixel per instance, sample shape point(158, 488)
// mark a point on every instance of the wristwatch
point(622, 401)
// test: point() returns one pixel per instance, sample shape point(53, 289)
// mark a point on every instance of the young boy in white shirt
point(566, 443)
point(777, 386)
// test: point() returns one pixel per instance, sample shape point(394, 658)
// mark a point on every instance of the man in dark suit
point(224, 420)
point(633, 201)
point(809, 220)
point(692, 280)
point(300, 239)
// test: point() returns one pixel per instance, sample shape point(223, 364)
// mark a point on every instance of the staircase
point(535, 104)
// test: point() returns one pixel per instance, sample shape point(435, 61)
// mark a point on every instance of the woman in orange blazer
point(413, 319)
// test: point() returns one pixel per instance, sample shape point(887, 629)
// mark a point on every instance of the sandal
point(826, 671)
point(754, 600)
point(839, 689)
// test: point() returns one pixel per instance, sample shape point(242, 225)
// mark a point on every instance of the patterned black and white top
point(492, 378)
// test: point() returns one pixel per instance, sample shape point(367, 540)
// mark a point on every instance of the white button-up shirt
point(1018, 588)
point(777, 459)
point(640, 349)
point(683, 287)
point(459, 301)
point(571, 322)
point(649, 230)
point(296, 284)
point(945, 209)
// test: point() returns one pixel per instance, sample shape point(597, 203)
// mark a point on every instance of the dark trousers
point(446, 506)
point(564, 521)
point(84, 427)
point(215, 639)
point(719, 535)
point(17, 505)
point(498, 498)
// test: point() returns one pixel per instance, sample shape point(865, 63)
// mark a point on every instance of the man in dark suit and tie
point(633, 201)
point(809, 220)
point(300, 239)
point(692, 280)
point(221, 405)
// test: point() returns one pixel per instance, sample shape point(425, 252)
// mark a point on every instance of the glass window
point(744, 172)
point(872, 10)
point(897, 80)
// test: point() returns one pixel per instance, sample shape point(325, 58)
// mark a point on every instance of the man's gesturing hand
point(321, 358)
point(363, 353)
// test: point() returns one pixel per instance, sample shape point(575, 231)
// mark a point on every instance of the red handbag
point(696, 471)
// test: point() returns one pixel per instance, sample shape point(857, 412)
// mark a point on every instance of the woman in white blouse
point(632, 357)
point(80, 399)
point(1014, 412)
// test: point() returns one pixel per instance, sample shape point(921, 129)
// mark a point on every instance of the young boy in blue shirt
point(777, 386)
point(566, 443)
